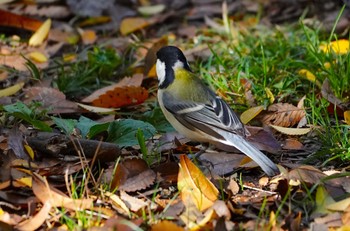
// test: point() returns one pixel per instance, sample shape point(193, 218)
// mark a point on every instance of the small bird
point(197, 112)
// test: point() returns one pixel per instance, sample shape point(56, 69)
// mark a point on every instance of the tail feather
point(254, 153)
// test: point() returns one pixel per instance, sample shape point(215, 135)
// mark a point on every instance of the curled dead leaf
point(282, 114)
point(194, 186)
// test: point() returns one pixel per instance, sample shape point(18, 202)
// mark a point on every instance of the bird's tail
point(254, 153)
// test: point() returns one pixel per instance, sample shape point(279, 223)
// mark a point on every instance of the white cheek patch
point(178, 64)
point(160, 68)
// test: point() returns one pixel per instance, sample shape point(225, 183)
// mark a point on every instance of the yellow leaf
point(327, 65)
point(269, 95)
point(88, 37)
point(29, 150)
point(27, 181)
point(39, 36)
point(340, 47)
point(11, 90)
point(340, 205)
point(95, 20)
point(250, 114)
point(347, 117)
point(292, 131)
point(323, 199)
point(37, 57)
point(194, 187)
point(129, 25)
point(307, 74)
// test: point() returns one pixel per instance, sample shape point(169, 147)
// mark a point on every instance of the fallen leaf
point(269, 95)
point(282, 114)
point(135, 80)
point(129, 25)
point(117, 201)
point(56, 198)
point(307, 174)
point(133, 203)
point(37, 57)
point(121, 97)
point(120, 223)
point(340, 46)
point(347, 117)
point(250, 114)
point(340, 205)
point(307, 74)
point(11, 90)
point(39, 36)
point(18, 21)
point(194, 186)
point(96, 109)
point(50, 98)
point(166, 225)
point(36, 221)
point(151, 57)
point(132, 175)
point(222, 163)
point(292, 144)
point(151, 10)
point(323, 200)
point(292, 131)
point(92, 21)
point(88, 36)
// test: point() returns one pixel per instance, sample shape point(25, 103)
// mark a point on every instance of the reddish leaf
point(121, 97)
point(14, 20)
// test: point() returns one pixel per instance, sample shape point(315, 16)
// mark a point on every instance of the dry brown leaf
point(120, 223)
point(36, 221)
point(132, 175)
point(194, 187)
point(133, 203)
point(135, 80)
point(292, 144)
point(129, 25)
point(282, 114)
point(307, 174)
point(50, 97)
point(221, 162)
point(45, 193)
point(221, 209)
point(166, 225)
point(151, 58)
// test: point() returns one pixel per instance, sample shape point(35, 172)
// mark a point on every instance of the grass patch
point(273, 61)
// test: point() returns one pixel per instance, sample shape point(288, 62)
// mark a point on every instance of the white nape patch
point(191, 109)
point(178, 64)
point(160, 68)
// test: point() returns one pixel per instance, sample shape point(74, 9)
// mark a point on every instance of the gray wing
point(207, 117)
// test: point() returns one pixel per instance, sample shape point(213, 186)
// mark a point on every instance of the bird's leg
point(200, 152)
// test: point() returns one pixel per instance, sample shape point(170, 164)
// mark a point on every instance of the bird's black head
point(168, 59)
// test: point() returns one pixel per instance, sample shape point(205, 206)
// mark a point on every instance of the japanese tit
point(197, 112)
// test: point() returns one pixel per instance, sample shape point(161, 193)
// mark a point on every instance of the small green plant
point(32, 114)
point(84, 76)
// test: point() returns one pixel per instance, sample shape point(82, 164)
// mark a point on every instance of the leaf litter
point(214, 196)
